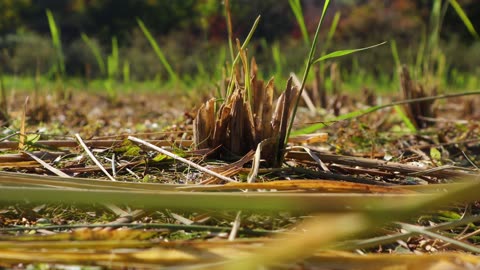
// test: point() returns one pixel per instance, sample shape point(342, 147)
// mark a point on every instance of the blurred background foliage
point(192, 34)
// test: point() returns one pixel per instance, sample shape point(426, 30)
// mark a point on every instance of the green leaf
point(344, 52)
point(161, 157)
point(405, 119)
point(32, 138)
point(315, 127)
point(466, 21)
point(435, 154)
point(296, 7)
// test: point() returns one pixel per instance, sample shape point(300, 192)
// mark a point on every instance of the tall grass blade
point(396, 57)
point(307, 68)
point(331, 32)
point(463, 16)
point(96, 52)
point(228, 17)
point(244, 45)
point(126, 72)
point(57, 44)
point(296, 7)
point(421, 52)
point(158, 51)
point(345, 52)
point(310, 62)
point(277, 58)
point(435, 19)
point(112, 61)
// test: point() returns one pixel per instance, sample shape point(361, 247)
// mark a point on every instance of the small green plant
point(277, 59)
point(311, 61)
point(431, 59)
point(96, 52)
point(113, 60)
point(235, 61)
point(173, 76)
point(57, 44)
point(112, 68)
point(126, 72)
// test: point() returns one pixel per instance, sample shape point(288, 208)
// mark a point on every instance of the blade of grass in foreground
point(322, 231)
point(251, 201)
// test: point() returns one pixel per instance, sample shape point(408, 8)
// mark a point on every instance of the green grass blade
point(126, 72)
point(112, 61)
point(96, 52)
point(57, 44)
point(405, 119)
point(331, 32)
point(314, 127)
point(396, 57)
point(244, 45)
point(344, 52)
point(228, 18)
point(277, 58)
point(463, 16)
point(296, 7)
point(307, 69)
point(421, 52)
point(435, 19)
point(158, 51)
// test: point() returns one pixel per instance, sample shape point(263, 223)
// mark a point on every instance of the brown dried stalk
point(244, 120)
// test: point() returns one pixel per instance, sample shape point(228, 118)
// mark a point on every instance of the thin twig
point(387, 239)
point(92, 143)
point(422, 230)
point(235, 227)
point(176, 157)
point(114, 171)
point(140, 226)
point(47, 166)
point(304, 94)
point(463, 237)
point(312, 155)
point(94, 159)
point(23, 135)
point(381, 164)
